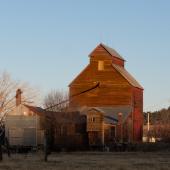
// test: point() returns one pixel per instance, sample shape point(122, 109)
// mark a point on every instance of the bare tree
point(31, 95)
point(53, 101)
point(8, 88)
point(162, 126)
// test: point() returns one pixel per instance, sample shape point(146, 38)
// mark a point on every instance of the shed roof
point(110, 112)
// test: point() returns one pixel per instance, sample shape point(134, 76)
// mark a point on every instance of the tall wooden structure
point(117, 102)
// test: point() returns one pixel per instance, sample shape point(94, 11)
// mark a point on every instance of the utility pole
point(103, 141)
point(148, 123)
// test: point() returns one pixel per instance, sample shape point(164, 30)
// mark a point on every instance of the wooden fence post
point(1, 156)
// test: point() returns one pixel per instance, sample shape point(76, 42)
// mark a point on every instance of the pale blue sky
point(47, 42)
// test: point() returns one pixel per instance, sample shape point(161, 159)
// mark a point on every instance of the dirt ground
point(88, 161)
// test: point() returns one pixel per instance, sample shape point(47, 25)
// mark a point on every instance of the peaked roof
point(120, 69)
point(111, 51)
point(127, 76)
point(58, 117)
point(110, 112)
point(37, 110)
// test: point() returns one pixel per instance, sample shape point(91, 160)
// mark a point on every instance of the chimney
point(18, 97)
point(120, 118)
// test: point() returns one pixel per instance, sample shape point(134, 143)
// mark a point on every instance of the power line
point(65, 101)
point(74, 95)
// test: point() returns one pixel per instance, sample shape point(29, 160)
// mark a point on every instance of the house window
point(100, 65)
point(92, 119)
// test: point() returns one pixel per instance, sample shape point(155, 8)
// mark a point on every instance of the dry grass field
point(88, 161)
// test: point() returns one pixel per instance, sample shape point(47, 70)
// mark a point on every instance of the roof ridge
point(112, 52)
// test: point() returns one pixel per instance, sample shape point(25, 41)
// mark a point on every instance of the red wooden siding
point(138, 113)
point(114, 89)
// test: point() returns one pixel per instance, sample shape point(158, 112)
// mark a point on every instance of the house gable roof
point(37, 110)
point(58, 117)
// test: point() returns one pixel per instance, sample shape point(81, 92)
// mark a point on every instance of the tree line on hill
point(159, 122)
point(160, 116)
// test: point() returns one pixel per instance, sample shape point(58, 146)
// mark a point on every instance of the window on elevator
point(100, 65)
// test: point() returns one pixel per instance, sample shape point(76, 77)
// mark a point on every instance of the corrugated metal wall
point(22, 130)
